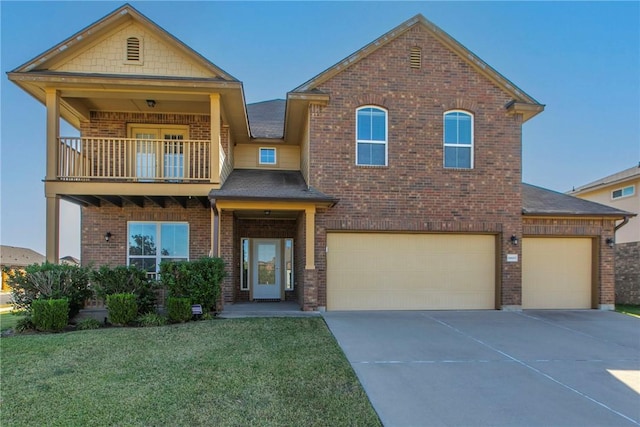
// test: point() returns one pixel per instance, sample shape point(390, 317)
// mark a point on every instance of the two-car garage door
point(383, 271)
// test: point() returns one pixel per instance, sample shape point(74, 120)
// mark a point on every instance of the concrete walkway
point(493, 368)
point(264, 309)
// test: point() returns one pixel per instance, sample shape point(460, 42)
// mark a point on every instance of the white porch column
point(53, 229)
point(214, 152)
point(53, 132)
point(310, 237)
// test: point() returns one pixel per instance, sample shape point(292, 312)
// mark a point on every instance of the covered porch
point(264, 229)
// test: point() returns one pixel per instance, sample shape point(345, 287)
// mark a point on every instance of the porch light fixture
point(267, 213)
point(151, 103)
point(514, 240)
point(107, 236)
point(610, 241)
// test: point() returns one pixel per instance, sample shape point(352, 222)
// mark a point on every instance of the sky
point(580, 59)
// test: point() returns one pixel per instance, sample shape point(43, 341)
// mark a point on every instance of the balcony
point(134, 160)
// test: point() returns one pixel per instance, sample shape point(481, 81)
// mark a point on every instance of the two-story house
point(621, 190)
point(392, 180)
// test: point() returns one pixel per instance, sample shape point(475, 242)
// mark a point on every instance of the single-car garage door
point(556, 272)
point(381, 271)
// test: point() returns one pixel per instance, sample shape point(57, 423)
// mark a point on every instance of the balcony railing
point(126, 159)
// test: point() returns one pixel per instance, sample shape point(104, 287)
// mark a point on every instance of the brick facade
point(627, 261)
point(415, 191)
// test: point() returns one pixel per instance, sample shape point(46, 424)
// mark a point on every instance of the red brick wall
point(600, 230)
point(109, 218)
point(415, 191)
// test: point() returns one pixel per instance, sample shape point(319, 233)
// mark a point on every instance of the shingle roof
point(266, 119)
point(611, 179)
point(13, 256)
point(540, 201)
point(268, 185)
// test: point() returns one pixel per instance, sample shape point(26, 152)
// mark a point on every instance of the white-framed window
point(458, 139)
point(244, 264)
point(150, 243)
point(267, 156)
point(623, 192)
point(288, 265)
point(371, 136)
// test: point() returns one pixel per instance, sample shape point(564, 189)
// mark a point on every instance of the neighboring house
point(392, 180)
point(16, 258)
point(622, 191)
point(69, 260)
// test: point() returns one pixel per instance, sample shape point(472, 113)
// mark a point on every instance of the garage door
point(556, 273)
point(376, 271)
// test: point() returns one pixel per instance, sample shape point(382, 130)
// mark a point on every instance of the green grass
point(8, 320)
point(253, 372)
point(633, 310)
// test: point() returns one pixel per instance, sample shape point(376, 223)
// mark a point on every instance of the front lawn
point(240, 372)
point(8, 320)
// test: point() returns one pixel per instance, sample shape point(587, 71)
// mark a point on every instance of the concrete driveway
point(481, 368)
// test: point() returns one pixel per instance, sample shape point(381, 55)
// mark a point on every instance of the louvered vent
point(133, 49)
point(415, 57)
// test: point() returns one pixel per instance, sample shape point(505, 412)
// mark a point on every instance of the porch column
point(310, 237)
point(53, 132)
point(214, 152)
point(53, 229)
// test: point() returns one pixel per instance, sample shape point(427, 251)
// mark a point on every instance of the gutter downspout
point(624, 222)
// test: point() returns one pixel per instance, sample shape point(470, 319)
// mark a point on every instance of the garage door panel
point(556, 273)
point(369, 271)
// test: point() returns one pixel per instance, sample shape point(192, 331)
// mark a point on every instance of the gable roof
point(541, 201)
point(15, 256)
point(618, 177)
point(521, 103)
point(266, 119)
point(67, 48)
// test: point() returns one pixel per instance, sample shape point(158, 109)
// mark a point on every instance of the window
point(623, 192)
point(371, 138)
point(267, 156)
point(288, 264)
point(150, 243)
point(458, 140)
point(244, 267)
point(160, 152)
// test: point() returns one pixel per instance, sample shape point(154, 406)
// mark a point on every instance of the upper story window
point(623, 192)
point(267, 156)
point(134, 50)
point(371, 138)
point(458, 140)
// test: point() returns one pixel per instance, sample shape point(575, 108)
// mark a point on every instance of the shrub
point(179, 309)
point(50, 281)
point(197, 280)
point(86, 324)
point(125, 279)
point(50, 314)
point(122, 308)
point(24, 325)
point(152, 319)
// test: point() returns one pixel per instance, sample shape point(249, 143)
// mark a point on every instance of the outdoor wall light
point(151, 103)
point(514, 240)
point(267, 212)
point(610, 241)
point(107, 236)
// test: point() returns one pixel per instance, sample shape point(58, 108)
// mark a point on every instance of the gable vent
point(133, 49)
point(415, 57)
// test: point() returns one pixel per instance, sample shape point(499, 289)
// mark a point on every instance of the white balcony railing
point(83, 159)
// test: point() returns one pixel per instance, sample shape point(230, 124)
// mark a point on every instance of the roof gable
point(521, 102)
point(94, 48)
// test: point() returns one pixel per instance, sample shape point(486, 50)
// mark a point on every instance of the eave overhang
point(296, 113)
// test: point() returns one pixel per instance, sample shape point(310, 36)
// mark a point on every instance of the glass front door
point(267, 269)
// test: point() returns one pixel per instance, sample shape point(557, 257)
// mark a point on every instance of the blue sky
point(581, 59)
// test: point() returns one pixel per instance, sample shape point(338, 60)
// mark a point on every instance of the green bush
point(24, 325)
point(151, 319)
point(123, 308)
point(179, 309)
point(199, 280)
point(125, 279)
point(50, 314)
point(86, 324)
point(50, 281)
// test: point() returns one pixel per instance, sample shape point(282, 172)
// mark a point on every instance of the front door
point(266, 265)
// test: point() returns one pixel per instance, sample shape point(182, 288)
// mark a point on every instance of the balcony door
point(160, 152)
